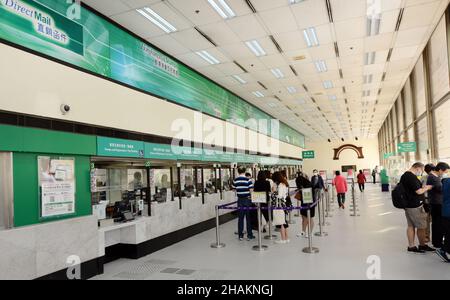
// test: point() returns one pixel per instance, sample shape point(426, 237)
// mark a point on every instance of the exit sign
point(308, 154)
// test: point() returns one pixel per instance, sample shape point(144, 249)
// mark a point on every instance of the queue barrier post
point(310, 249)
point(260, 246)
point(319, 199)
point(355, 209)
point(217, 244)
point(270, 236)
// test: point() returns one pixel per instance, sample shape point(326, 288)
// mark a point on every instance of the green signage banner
point(94, 44)
point(126, 148)
point(309, 154)
point(119, 148)
point(407, 147)
point(387, 155)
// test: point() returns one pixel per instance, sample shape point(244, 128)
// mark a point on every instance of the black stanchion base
point(258, 248)
point(218, 246)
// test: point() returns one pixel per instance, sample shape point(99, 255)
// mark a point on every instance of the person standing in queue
point(414, 211)
point(374, 174)
point(435, 198)
point(263, 185)
point(280, 198)
point(303, 183)
point(340, 183)
point(243, 187)
point(426, 203)
point(361, 181)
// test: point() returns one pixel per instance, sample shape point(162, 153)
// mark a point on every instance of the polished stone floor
point(373, 243)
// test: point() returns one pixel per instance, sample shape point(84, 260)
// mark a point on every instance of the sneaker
point(250, 238)
point(443, 255)
point(241, 239)
point(301, 234)
point(415, 250)
point(288, 241)
point(426, 248)
point(280, 242)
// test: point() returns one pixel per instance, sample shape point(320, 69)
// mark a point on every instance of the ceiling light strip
point(153, 17)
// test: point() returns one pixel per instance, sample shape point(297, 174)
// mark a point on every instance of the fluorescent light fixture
point(277, 73)
point(301, 101)
point(292, 89)
point(208, 57)
point(295, 1)
point(321, 66)
point(368, 78)
point(156, 19)
point(272, 104)
point(258, 94)
point(310, 36)
point(369, 58)
point(238, 78)
point(332, 98)
point(256, 48)
point(222, 8)
point(366, 93)
point(328, 84)
point(373, 25)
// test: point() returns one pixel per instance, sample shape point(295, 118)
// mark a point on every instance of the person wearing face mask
point(435, 198)
point(414, 211)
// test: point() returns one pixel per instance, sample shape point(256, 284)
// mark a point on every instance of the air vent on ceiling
point(293, 70)
point(205, 36)
point(305, 87)
point(329, 10)
point(383, 77)
point(250, 5)
point(313, 100)
point(263, 86)
point(399, 19)
point(278, 98)
point(274, 41)
point(344, 90)
point(241, 67)
point(336, 49)
point(341, 74)
point(389, 55)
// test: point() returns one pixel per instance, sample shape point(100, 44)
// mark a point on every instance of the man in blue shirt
point(243, 186)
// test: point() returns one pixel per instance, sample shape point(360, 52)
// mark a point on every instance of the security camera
point(65, 109)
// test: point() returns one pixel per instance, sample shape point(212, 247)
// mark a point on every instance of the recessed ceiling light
point(368, 78)
point(292, 89)
point(369, 58)
point(328, 84)
point(295, 1)
point(258, 94)
point(222, 8)
point(310, 37)
point(277, 73)
point(238, 78)
point(321, 66)
point(373, 25)
point(332, 98)
point(156, 19)
point(208, 57)
point(256, 48)
point(272, 104)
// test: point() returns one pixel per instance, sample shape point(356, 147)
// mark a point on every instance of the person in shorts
point(416, 215)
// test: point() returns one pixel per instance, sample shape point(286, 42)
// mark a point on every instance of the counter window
point(226, 179)
point(210, 181)
point(186, 182)
point(161, 185)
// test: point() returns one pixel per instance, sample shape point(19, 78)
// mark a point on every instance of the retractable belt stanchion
point(260, 246)
point(270, 236)
point(328, 204)
point(355, 211)
point(310, 249)
point(217, 244)
point(321, 215)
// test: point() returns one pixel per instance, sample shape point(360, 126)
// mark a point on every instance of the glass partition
point(161, 185)
point(210, 186)
point(226, 179)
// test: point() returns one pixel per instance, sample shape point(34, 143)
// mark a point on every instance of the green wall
point(29, 143)
point(26, 188)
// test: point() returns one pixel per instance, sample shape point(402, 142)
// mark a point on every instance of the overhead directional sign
point(407, 147)
point(309, 154)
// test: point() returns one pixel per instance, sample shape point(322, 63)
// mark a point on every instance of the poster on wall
point(367, 174)
point(57, 186)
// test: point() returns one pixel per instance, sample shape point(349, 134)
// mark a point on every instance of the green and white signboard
point(407, 147)
point(308, 154)
point(119, 148)
point(387, 155)
point(92, 43)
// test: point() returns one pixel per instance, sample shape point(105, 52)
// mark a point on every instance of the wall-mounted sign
point(407, 147)
point(119, 147)
point(308, 154)
point(57, 186)
point(387, 155)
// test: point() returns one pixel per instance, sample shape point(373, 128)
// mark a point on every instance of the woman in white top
point(281, 195)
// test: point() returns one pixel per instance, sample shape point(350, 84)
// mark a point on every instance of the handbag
point(279, 217)
point(298, 195)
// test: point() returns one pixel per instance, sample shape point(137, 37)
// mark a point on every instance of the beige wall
point(37, 86)
point(324, 153)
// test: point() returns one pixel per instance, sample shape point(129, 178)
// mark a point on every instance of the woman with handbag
point(303, 183)
point(279, 215)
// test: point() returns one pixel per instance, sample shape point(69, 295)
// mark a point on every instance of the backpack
point(399, 196)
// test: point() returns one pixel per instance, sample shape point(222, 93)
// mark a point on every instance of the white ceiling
point(357, 112)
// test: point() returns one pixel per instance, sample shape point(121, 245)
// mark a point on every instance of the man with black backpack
point(413, 205)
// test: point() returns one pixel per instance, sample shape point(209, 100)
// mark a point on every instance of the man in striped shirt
point(243, 187)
